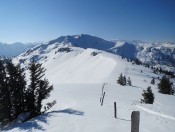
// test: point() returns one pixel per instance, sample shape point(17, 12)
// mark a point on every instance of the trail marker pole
point(115, 110)
point(135, 120)
point(102, 98)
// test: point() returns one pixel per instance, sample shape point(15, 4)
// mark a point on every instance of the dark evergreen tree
point(15, 98)
point(129, 81)
point(16, 86)
point(38, 90)
point(21, 83)
point(5, 104)
point(36, 73)
point(153, 81)
point(165, 86)
point(12, 86)
point(124, 80)
point(148, 96)
point(138, 62)
point(43, 92)
point(120, 80)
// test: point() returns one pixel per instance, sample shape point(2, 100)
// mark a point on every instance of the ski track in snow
point(156, 113)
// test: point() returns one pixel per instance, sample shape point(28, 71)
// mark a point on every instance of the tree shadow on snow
point(123, 119)
point(69, 111)
point(35, 122)
point(137, 87)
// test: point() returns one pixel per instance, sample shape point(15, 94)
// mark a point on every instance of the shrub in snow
point(148, 96)
point(165, 86)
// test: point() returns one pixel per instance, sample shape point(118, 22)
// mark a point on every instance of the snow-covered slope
point(156, 53)
point(11, 50)
point(151, 53)
point(78, 76)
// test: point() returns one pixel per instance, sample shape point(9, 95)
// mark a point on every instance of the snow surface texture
point(78, 76)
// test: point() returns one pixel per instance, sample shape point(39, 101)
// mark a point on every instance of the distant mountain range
point(12, 50)
point(156, 53)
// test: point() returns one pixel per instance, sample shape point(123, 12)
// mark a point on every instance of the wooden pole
point(103, 88)
point(135, 120)
point(102, 98)
point(115, 110)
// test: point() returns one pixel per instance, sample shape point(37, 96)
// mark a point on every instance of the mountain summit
point(156, 53)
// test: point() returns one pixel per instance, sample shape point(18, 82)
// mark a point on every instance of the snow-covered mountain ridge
point(156, 53)
point(78, 75)
point(11, 50)
point(159, 54)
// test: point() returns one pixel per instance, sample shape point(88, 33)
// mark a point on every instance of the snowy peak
point(125, 49)
point(156, 53)
point(84, 41)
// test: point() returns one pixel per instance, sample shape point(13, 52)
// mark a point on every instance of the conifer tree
point(124, 80)
point(16, 85)
point(120, 80)
point(153, 81)
point(15, 98)
point(165, 86)
point(21, 83)
point(36, 73)
point(129, 81)
point(38, 90)
point(43, 92)
point(12, 86)
point(148, 96)
point(5, 104)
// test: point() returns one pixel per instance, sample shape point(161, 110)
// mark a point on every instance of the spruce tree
point(5, 104)
point(148, 96)
point(12, 86)
point(16, 86)
point(153, 81)
point(129, 81)
point(38, 90)
point(165, 86)
point(43, 92)
point(36, 73)
point(124, 80)
point(120, 80)
point(21, 83)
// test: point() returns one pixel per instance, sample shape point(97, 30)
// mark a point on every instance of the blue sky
point(43, 20)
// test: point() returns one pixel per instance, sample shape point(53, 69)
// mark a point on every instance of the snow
point(10, 50)
point(155, 53)
point(78, 77)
